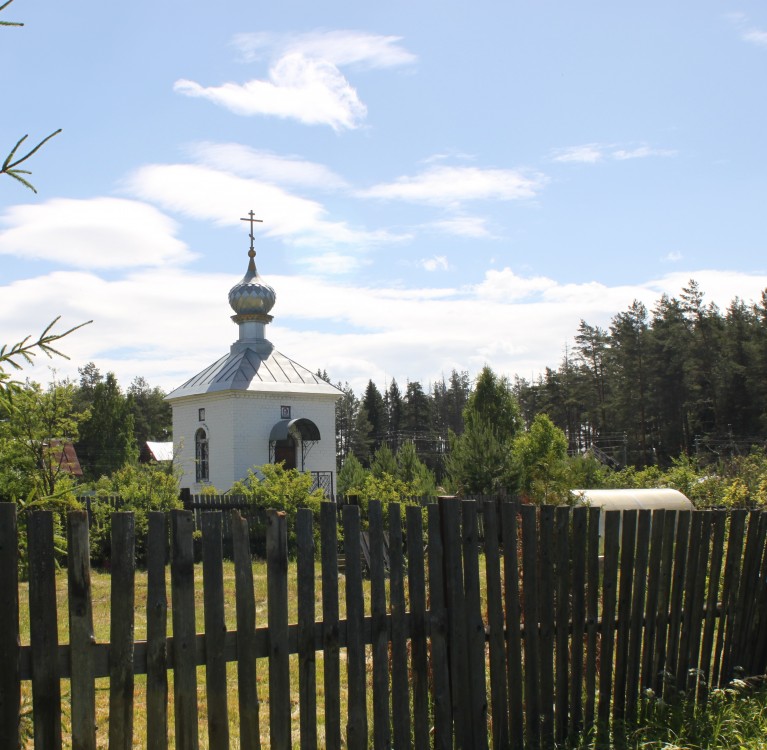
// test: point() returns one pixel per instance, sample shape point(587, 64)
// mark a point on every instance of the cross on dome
point(251, 218)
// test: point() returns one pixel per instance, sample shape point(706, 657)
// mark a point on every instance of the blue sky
point(442, 185)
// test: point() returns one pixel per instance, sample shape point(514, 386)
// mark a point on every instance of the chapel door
point(285, 451)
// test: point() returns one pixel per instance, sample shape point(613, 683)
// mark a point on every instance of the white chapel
point(254, 405)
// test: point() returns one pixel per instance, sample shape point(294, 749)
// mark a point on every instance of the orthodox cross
point(252, 220)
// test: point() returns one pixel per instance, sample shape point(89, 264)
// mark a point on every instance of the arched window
point(201, 456)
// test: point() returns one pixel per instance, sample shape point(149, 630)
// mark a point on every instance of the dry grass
point(101, 583)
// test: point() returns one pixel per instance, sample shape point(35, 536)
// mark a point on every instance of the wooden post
point(184, 630)
point(307, 667)
point(330, 628)
point(563, 618)
point(121, 632)
point(81, 636)
point(530, 580)
point(277, 598)
point(579, 545)
point(157, 633)
point(10, 678)
point(250, 735)
point(215, 630)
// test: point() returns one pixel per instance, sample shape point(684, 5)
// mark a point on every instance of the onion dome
point(252, 296)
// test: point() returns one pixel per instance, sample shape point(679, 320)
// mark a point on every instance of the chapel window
point(201, 456)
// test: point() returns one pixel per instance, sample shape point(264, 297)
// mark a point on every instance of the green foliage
point(287, 490)
point(540, 459)
point(106, 437)
point(33, 433)
point(413, 472)
point(352, 474)
point(383, 462)
point(385, 488)
point(141, 488)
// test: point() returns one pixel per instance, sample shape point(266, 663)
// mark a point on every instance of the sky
point(442, 185)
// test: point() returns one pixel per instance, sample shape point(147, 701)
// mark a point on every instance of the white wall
point(238, 424)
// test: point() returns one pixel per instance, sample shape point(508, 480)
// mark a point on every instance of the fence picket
point(307, 667)
point(121, 631)
point(330, 635)
point(609, 585)
point(441, 698)
point(563, 615)
point(215, 630)
point(44, 632)
point(546, 609)
point(10, 677)
point(379, 628)
point(277, 618)
point(513, 624)
point(651, 601)
point(592, 615)
point(81, 635)
point(417, 592)
point(628, 542)
point(495, 626)
point(531, 635)
point(184, 630)
point(250, 734)
point(714, 578)
point(579, 537)
point(357, 718)
point(475, 627)
point(677, 593)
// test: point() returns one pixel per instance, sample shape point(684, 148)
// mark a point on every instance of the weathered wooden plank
point(400, 674)
point(546, 605)
point(714, 579)
point(441, 700)
point(450, 510)
point(592, 616)
point(43, 632)
point(637, 615)
point(215, 630)
point(121, 631)
point(330, 635)
point(307, 666)
point(563, 570)
point(748, 633)
point(475, 627)
point(758, 634)
point(156, 633)
point(628, 543)
point(532, 639)
point(184, 630)
point(651, 601)
point(417, 593)
point(689, 613)
point(677, 591)
point(498, 702)
point(81, 635)
point(513, 624)
point(277, 618)
point(379, 628)
point(722, 672)
point(357, 721)
point(250, 736)
point(694, 674)
point(579, 545)
point(10, 676)
point(606, 666)
point(664, 597)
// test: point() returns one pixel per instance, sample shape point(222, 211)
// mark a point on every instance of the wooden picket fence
point(540, 632)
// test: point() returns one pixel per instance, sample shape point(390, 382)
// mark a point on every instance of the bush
point(140, 488)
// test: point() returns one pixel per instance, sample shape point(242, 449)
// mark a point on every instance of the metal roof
point(247, 369)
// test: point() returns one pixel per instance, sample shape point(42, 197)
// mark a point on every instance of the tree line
point(684, 378)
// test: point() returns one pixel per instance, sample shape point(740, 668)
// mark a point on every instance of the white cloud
point(92, 234)
point(265, 166)
point(331, 264)
point(209, 194)
point(435, 263)
point(673, 257)
point(168, 324)
point(463, 226)
point(314, 92)
point(591, 153)
point(451, 186)
point(340, 47)
point(756, 36)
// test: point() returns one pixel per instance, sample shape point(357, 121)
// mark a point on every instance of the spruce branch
point(8, 23)
point(11, 163)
